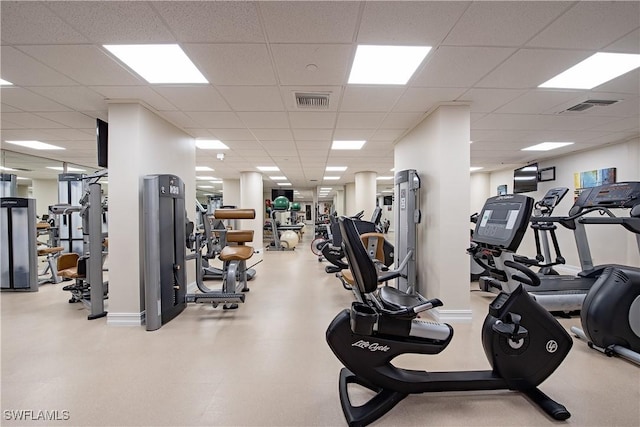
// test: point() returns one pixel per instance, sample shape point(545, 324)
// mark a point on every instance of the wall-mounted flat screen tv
point(102, 131)
point(525, 179)
point(276, 192)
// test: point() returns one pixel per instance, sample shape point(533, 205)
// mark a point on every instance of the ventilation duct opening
point(589, 103)
point(312, 100)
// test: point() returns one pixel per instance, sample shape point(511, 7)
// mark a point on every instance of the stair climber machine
point(523, 343)
point(166, 238)
point(566, 293)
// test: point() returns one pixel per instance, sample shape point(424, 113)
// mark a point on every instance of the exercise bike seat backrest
point(361, 265)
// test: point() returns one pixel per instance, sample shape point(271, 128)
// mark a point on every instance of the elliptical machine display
point(523, 342)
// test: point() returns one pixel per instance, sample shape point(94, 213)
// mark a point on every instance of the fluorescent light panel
point(382, 178)
point(216, 181)
point(69, 169)
point(205, 186)
point(336, 168)
point(207, 177)
point(204, 169)
point(347, 145)
point(524, 178)
point(5, 83)
point(278, 178)
point(284, 184)
point(594, 71)
point(210, 144)
point(158, 63)
point(475, 168)
point(36, 145)
point(546, 146)
point(2, 168)
point(329, 178)
point(386, 65)
point(326, 188)
point(268, 168)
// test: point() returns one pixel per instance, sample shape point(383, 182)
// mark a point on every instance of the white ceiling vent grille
point(312, 100)
point(589, 103)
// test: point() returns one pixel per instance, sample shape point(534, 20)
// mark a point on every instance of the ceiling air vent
point(312, 100)
point(590, 103)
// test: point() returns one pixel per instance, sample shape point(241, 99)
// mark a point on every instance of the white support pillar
point(140, 143)
point(350, 199)
point(251, 197)
point(231, 192)
point(438, 148)
point(365, 192)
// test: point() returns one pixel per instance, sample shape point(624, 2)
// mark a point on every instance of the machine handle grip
point(531, 278)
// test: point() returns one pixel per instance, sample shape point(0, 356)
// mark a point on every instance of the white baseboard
point(125, 319)
point(452, 316)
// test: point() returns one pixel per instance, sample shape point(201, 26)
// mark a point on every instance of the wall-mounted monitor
point(525, 179)
point(276, 192)
point(387, 200)
point(102, 132)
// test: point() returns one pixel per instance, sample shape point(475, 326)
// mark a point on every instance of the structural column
point(350, 199)
point(438, 149)
point(231, 192)
point(365, 192)
point(251, 197)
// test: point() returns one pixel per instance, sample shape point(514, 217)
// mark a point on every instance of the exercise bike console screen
point(503, 221)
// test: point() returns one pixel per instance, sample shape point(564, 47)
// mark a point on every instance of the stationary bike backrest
point(361, 266)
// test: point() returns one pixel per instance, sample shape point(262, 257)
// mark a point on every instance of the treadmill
point(566, 292)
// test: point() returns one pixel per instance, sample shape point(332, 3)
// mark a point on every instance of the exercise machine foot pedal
point(216, 298)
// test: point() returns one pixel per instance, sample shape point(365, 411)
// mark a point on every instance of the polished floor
point(265, 364)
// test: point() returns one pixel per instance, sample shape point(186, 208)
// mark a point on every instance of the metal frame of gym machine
point(18, 260)
point(407, 216)
point(90, 211)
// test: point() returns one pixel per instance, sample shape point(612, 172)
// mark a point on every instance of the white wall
point(608, 243)
point(480, 190)
point(140, 143)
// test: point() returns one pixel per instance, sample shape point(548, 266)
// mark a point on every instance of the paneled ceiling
point(491, 55)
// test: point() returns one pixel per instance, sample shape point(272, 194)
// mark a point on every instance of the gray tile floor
point(265, 364)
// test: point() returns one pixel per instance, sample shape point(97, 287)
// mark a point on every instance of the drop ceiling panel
point(590, 25)
point(115, 22)
point(212, 21)
point(626, 44)
point(529, 68)
point(232, 134)
point(313, 145)
point(418, 99)
point(86, 64)
point(142, 93)
point(22, 70)
point(627, 83)
point(369, 98)
point(34, 22)
point(279, 145)
point(312, 120)
point(517, 23)
point(272, 134)
point(359, 120)
point(312, 134)
point(386, 134)
point(312, 64)
point(537, 101)
point(411, 23)
point(629, 124)
point(352, 134)
point(30, 121)
point(213, 120)
point(456, 66)
point(276, 120)
point(193, 98)
point(73, 135)
point(74, 97)
point(401, 120)
point(315, 22)
point(182, 120)
point(488, 100)
point(233, 64)
point(6, 108)
point(252, 98)
point(23, 99)
point(73, 120)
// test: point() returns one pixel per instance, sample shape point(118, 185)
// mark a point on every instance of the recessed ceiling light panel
point(268, 168)
point(210, 144)
point(5, 83)
point(336, 168)
point(594, 71)
point(546, 146)
point(347, 145)
point(69, 169)
point(203, 169)
point(36, 145)
point(158, 63)
point(475, 168)
point(386, 65)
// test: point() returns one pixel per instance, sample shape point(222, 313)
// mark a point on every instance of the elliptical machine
point(523, 342)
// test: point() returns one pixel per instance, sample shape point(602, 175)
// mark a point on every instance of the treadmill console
point(619, 195)
point(553, 197)
point(503, 222)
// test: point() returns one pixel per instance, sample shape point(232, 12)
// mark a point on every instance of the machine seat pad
point(348, 277)
point(47, 251)
point(228, 213)
point(396, 299)
point(236, 253)
point(70, 273)
point(239, 236)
